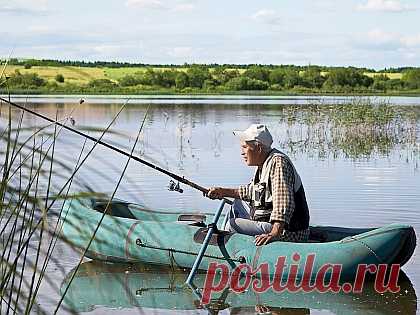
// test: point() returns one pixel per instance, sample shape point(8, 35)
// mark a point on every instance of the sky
point(363, 33)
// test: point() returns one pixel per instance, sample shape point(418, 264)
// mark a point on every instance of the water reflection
point(134, 286)
point(216, 99)
point(359, 129)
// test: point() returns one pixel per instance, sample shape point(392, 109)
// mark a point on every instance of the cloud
point(266, 16)
point(160, 5)
point(146, 4)
point(39, 29)
point(379, 36)
point(383, 6)
point(21, 7)
point(411, 41)
point(184, 7)
point(377, 41)
point(181, 52)
point(108, 49)
point(411, 55)
point(29, 4)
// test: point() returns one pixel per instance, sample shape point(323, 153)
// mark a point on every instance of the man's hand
point(276, 231)
point(220, 193)
point(216, 193)
point(262, 239)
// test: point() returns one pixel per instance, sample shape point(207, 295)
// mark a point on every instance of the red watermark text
point(293, 278)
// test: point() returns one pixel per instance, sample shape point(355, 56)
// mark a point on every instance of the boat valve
point(175, 187)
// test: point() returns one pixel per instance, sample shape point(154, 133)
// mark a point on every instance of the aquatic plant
point(360, 129)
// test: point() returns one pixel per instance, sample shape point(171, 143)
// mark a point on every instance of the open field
point(71, 74)
point(81, 75)
point(391, 75)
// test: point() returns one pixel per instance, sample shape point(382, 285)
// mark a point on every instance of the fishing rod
point(172, 185)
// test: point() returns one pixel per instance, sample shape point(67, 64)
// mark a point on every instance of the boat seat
point(192, 219)
point(219, 235)
point(117, 209)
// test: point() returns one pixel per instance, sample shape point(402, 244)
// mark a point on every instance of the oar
point(109, 146)
point(197, 262)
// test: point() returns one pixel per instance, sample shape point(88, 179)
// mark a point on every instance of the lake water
point(356, 174)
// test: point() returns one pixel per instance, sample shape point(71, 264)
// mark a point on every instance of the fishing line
point(116, 149)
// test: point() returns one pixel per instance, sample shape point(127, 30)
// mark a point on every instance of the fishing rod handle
point(228, 201)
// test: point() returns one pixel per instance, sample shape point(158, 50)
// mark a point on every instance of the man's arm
point(282, 181)
point(220, 192)
point(243, 192)
point(282, 184)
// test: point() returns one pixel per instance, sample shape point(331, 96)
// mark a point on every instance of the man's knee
point(248, 227)
point(236, 225)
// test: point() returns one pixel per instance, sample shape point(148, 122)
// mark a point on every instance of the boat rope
point(172, 250)
point(163, 289)
point(114, 148)
point(368, 247)
point(173, 261)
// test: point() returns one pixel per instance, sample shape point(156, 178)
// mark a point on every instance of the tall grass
point(33, 185)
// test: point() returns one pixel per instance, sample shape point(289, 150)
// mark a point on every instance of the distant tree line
point(396, 70)
point(115, 64)
point(267, 78)
point(28, 63)
point(224, 79)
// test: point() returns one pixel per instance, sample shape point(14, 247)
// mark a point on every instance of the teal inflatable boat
point(131, 233)
point(144, 289)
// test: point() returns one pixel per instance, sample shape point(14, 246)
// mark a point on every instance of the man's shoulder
point(281, 159)
point(279, 156)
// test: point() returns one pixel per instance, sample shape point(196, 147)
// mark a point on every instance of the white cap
point(256, 132)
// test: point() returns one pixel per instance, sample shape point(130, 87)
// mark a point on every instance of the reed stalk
point(25, 205)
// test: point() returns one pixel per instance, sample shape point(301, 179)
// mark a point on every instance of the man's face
point(249, 153)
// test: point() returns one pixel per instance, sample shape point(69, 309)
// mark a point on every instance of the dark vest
point(261, 193)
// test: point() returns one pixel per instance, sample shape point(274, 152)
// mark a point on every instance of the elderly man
point(277, 208)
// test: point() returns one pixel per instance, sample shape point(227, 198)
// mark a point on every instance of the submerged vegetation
point(361, 129)
point(37, 76)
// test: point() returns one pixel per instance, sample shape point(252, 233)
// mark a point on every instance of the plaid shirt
point(282, 183)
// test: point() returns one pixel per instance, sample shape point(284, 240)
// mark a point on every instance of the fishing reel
point(175, 187)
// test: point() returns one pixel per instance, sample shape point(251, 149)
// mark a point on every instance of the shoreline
point(198, 94)
point(214, 99)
